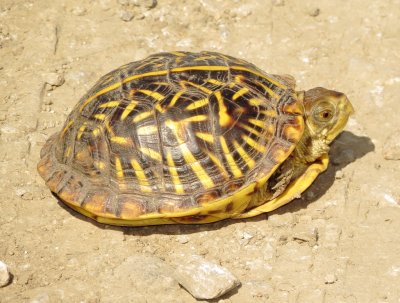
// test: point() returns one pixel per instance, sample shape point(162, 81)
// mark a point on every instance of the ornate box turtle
point(191, 138)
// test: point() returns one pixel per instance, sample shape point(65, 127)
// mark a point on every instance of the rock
point(182, 239)
point(330, 278)
point(204, 279)
point(391, 147)
point(313, 12)
point(54, 79)
point(126, 16)
point(4, 274)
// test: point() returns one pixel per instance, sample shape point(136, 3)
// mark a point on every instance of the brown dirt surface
point(338, 243)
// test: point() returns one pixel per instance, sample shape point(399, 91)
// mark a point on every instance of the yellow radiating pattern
point(118, 168)
point(205, 136)
point(245, 156)
point(217, 162)
point(80, 131)
point(197, 104)
point(128, 109)
point(197, 118)
point(147, 130)
point(229, 158)
point(255, 102)
point(224, 118)
point(197, 168)
point(270, 113)
point(257, 122)
point(200, 87)
point(176, 98)
point(142, 116)
point(152, 94)
point(174, 174)
point(257, 146)
point(120, 140)
point(141, 176)
point(66, 128)
point(100, 116)
point(249, 129)
point(273, 81)
point(215, 81)
point(240, 93)
point(268, 90)
point(110, 104)
point(151, 153)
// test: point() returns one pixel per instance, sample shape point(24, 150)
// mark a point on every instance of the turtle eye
point(324, 112)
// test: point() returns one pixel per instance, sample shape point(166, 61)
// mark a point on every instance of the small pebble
point(314, 12)
point(391, 147)
point(204, 279)
point(330, 278)
point(183, 239)
point(126, 16)
point(4, 274)
point(54, 79)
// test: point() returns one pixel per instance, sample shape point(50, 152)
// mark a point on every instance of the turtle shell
point(175, 138)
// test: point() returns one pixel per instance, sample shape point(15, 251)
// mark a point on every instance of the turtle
point(191, 138)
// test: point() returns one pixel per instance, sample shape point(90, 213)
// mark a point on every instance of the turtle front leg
point(292, 191)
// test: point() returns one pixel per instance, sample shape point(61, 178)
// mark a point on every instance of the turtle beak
point(344, 110)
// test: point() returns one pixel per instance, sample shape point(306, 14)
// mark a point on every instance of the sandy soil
point(339, 243)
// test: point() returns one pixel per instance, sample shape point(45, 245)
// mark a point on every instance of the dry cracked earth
point(339, 243)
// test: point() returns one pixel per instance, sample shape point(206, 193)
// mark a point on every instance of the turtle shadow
point(346, 149)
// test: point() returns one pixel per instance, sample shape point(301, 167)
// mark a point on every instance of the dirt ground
point(339, 243)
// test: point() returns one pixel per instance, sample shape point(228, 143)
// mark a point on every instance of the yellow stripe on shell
point(120, 140)
point(258, 74)
point(100, 116)
point(176, 98)
point(255, 102)
point(174, 174)
point(141, 176)
point(142, 116)
point(217, 162)
point(118, 168)
point(64, 131)
point(268, 90)
point(99, 164)
point(200, 87)
point(224, 118)
point(204, 58)
point(80, 131)
point(150, 153)
point(257, 122)
point(198, 118)
point(197, 168)
point(229, 158)
point(199, 67)
point(147, 130)
point(245, 156)
point(249, 129)
point(215, 81)
point(128, 109)
point(257, 146)
point(153, 94)
point(109, 104)
point(205, 136)
point(270, 113)
point(197, 104)
point(240, 93)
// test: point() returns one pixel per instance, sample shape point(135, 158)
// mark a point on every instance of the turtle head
point(326, 113)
